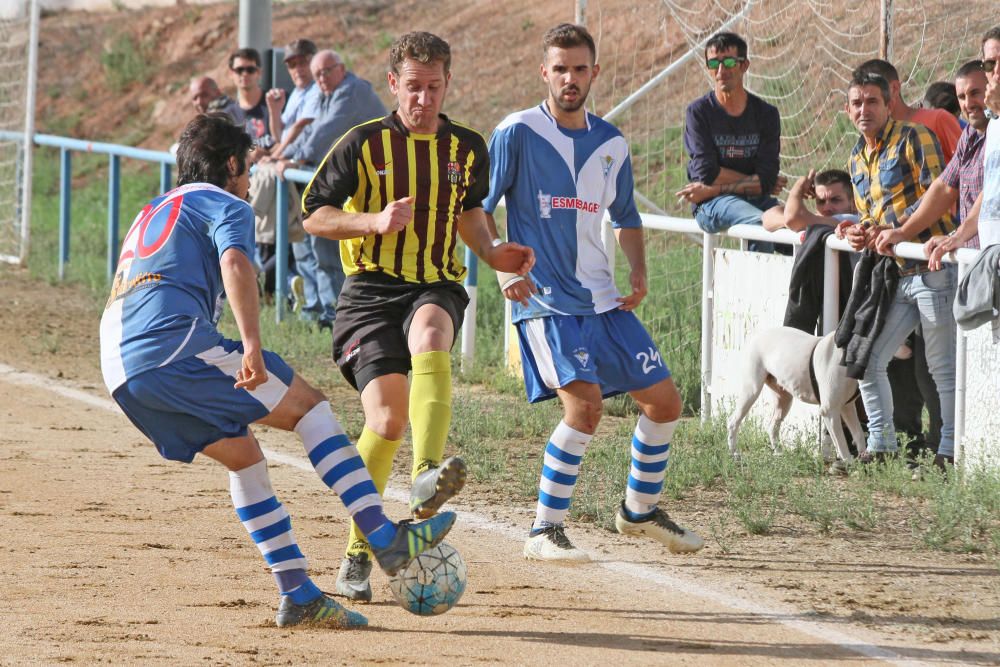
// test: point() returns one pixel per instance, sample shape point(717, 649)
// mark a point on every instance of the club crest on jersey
point(582, 356)
point(606, 163)
point(454, 172)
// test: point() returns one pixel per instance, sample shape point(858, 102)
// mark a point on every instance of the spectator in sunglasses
point(244, 69)
point(733, 139)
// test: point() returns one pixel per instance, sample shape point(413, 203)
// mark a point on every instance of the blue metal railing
point(115, 152)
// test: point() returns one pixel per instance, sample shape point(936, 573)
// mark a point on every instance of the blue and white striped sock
point(339, 465)
point(650, 451)
point(559, 472)
point(270, 527)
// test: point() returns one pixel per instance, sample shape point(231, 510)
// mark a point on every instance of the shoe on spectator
point(324, 324)
point(869, 457)
point(838, 467)
point(298, 290)
point(321, 611)
point(551, 544)
point(435, 486)
point(658, 525)
point(353, 581)
point(944, 463)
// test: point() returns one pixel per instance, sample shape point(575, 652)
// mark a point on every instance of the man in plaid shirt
point(892, 166)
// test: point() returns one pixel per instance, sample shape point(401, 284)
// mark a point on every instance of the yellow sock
point(430, 408)
point(377, 453)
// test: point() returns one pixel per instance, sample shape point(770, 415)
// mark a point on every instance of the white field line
point(783, 614)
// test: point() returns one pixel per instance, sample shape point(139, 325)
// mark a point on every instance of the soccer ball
point(432, 583)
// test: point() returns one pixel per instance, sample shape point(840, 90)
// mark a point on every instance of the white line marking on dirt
point(787, 615)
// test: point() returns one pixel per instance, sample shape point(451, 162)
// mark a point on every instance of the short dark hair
point(831, 176)
point(246, 54)
point(421, 46)
point(206, 145)
point(881, 67)
point(992, 33)
point(721, 41)
point(968, 68)
point(568, 36)
point(861, 78)
point(942, 95)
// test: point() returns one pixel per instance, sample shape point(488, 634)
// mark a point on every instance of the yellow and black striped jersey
point(379, 162)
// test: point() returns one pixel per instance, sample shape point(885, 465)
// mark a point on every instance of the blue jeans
point(329, 275)
point(720, 213)
point(305, 266)
point(924, 299)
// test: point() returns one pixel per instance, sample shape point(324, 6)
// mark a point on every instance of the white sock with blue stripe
point(559, 472)
point(270, 527)
point(650, 451)
point(341, 468)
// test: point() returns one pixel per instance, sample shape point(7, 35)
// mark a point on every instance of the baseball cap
point(299, 47)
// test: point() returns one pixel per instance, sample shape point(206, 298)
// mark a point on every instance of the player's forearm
point(476, 232)
point(633, 247)
point(239, 277)
point(332, 223)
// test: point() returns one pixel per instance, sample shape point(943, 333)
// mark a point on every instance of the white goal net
point(18, 33)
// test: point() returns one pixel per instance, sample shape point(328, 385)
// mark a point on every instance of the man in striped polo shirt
point(397, 192)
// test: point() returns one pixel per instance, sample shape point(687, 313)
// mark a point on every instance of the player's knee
point(430, 340)
point(387, 422)
point(666, 409)
point(585, 415)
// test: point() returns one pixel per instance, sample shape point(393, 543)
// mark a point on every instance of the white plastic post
point(29, 130)
point(707, 311)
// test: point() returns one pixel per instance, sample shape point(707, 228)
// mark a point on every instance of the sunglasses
point(246, 70)
point(728, 62)
point(989, 65)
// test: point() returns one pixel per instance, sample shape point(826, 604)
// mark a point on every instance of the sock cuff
point(436, 361)
point(318, 424)
point(370, 437)
point(250, 485)
point(654, 433)
point(569, 439)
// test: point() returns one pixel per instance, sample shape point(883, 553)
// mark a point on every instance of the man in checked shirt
point(892, 166)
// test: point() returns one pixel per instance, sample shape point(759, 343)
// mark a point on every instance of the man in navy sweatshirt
point(733, 140)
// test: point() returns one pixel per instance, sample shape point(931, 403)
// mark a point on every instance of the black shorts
point(373, 319)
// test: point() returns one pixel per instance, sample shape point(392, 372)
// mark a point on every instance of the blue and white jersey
point(557, 184)
point(165, 299)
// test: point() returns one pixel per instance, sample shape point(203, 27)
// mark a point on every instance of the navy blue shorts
point(189, 404)
point(611, 349)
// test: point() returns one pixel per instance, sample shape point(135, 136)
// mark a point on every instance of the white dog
point(794, 364)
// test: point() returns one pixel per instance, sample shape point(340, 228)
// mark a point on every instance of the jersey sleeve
point(234, 228)
point(622, 210)
point(502, 163)
point(479, 183)
point(336, 178)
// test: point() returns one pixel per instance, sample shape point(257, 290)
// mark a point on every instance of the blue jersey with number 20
point(165, 299)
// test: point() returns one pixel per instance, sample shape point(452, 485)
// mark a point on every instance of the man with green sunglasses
point(733, 140)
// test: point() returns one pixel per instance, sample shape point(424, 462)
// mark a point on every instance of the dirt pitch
point(110, 555)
